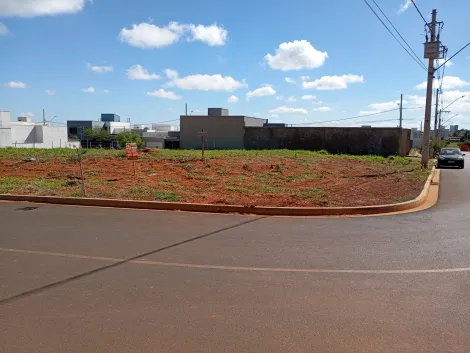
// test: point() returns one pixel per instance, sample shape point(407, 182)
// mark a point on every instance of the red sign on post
point(131, 151)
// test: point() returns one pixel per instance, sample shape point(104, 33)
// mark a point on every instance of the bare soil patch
point(249, 178)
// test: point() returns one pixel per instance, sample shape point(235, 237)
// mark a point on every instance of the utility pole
point(427, 113)
point(436, 113)
point(401, 110)
point(44, 117)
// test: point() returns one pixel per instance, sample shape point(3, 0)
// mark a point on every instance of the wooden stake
point(81, 172)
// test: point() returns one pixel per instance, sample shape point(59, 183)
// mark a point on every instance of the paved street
point(79, 279)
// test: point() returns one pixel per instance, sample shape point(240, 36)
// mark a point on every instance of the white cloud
point(49, 92)
point(386, 105)
point(308, 97)
point(15, 84)
point(281, 110)
point(89, 90)
point(233, 99)
point(137, 72)
point(211, 35)
point(203, 82)
point(161, 93)
point(99, 69)
point(266, 90)
point(32, 8)
point(449, 82)
point(417, 100)
point(442, 61)
point(3, 30)
point(318, 102)
point(291, 99)
point(296, 55)
point(29, 115)
point(290, 80)
point(279, 98)
point(171, 74)
point(461, 106)
point(333, 82)
point(148, 36)
point(274, 115)
point(322, 109)
point(404, 6)
point(106, 91)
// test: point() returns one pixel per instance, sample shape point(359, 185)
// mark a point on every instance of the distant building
point(110, 122)
point(24, 133)
point(224, 131)
point(453, 129)
point(158, 135)
point(110, 117)
point(416, 138)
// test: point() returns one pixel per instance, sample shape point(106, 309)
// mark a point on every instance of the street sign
point(131, 151)
point(203, 133)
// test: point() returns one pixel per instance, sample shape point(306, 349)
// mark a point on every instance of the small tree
point(129, 137)
point(97, 134)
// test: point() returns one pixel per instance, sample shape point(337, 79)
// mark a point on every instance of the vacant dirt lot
point(262, 178)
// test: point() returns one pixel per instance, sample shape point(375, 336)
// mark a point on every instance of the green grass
point(315, 193)
point(239, 189)
point(8, 184)
point(166, 196)
point(186, 156)
point(45, 154)
point(140, 192)
point(267, 189)
point(92, 172)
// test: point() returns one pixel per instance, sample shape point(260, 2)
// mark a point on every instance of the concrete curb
point(267, 211)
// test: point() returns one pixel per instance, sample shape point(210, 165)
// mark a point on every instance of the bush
point(97, 134)
point(435, 146)
point(129, 137)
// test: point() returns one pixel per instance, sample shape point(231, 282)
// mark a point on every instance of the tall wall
point(224, 132)
point(376, 141)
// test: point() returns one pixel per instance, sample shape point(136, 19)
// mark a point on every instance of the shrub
point(129, 137)
point(97, 134)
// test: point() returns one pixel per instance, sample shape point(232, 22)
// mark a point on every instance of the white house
point(24, 133)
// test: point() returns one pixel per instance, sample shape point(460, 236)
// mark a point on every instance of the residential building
point(157, 135)
point(24, 133)
point(109, 122)
point(223, 131)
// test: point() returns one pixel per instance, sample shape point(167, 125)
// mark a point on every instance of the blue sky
point(145, 59)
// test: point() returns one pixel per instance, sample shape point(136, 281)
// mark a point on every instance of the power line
point(389, 31)
point(452, 56)
point(416, 7)
point(396, 30)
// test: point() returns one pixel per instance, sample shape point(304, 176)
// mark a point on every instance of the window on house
point(73, 131)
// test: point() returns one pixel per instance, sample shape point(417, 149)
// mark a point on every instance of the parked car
point(450, 157)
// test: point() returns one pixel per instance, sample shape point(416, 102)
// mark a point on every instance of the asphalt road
point(78, 279)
